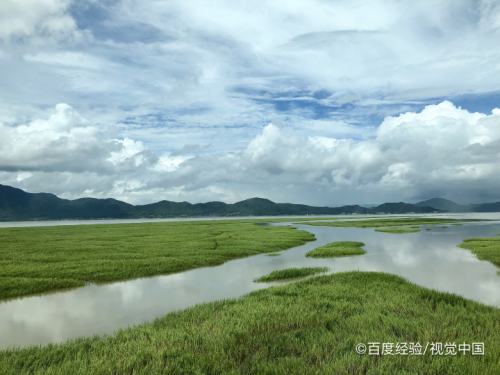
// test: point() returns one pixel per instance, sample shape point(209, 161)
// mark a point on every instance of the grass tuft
point(291, 273)
point(338, 249)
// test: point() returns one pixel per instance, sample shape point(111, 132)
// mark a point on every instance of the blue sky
point(224, 100)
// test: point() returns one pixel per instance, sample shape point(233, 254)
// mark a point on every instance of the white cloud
point(130, 149)
point(195, 67)
point(170, 163)
point(64, 142)
point(68, 59)
point(442, 150)
point(403, 49)
point(28, 18)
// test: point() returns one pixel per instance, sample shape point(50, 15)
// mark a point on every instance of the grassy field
point(338, 249)
point(484, 248)
point(291, 273)
point(306, 327)
point(388, 225)
point(41, 259)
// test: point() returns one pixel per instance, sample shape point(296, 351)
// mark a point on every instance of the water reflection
point(429, 258)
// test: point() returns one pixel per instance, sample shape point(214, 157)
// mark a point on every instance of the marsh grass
point(307, 327)
point(399, 230)
point(275, 254)
point(484, 248)
point(41, 259)
point(337, 249)
point(291, 273)
point(399, 225)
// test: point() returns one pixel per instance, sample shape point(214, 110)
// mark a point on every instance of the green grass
point(338, 249)
point(307, 327)
point(484, 248)
point(292, 273)
point(399, 230)
point(41, 259)
point(391, 225)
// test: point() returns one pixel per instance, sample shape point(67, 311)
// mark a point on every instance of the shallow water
point(429, 258)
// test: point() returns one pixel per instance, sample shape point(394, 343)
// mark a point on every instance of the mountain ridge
point(17, 204)
point(445, 205)
point(450, 206)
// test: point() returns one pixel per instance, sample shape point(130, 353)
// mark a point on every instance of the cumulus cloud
point(64, 142)
point(443, 150)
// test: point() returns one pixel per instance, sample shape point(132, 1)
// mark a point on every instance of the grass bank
point(338, 249)
point(391, 225)
point(291, 273)
point(308, 327)
point(484, 248)
point(41, 259)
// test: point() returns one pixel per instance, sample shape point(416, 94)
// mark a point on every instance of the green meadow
point(42, 259)
point(306, 327)
point(484, 248)
point(338, 249)
point(291, 273)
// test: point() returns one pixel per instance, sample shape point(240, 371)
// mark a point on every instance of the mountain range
point(17, 204)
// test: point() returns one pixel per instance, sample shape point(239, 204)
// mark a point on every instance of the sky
point(323, 102)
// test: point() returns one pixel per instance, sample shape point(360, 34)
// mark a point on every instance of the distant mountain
point(450, 206)
point(16, 204)
point(444, 205)
point(486, 207)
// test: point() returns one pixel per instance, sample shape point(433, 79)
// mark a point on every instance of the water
point(50, 223)
point(429, 258)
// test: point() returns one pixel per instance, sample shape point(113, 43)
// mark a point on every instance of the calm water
point(429, 258)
